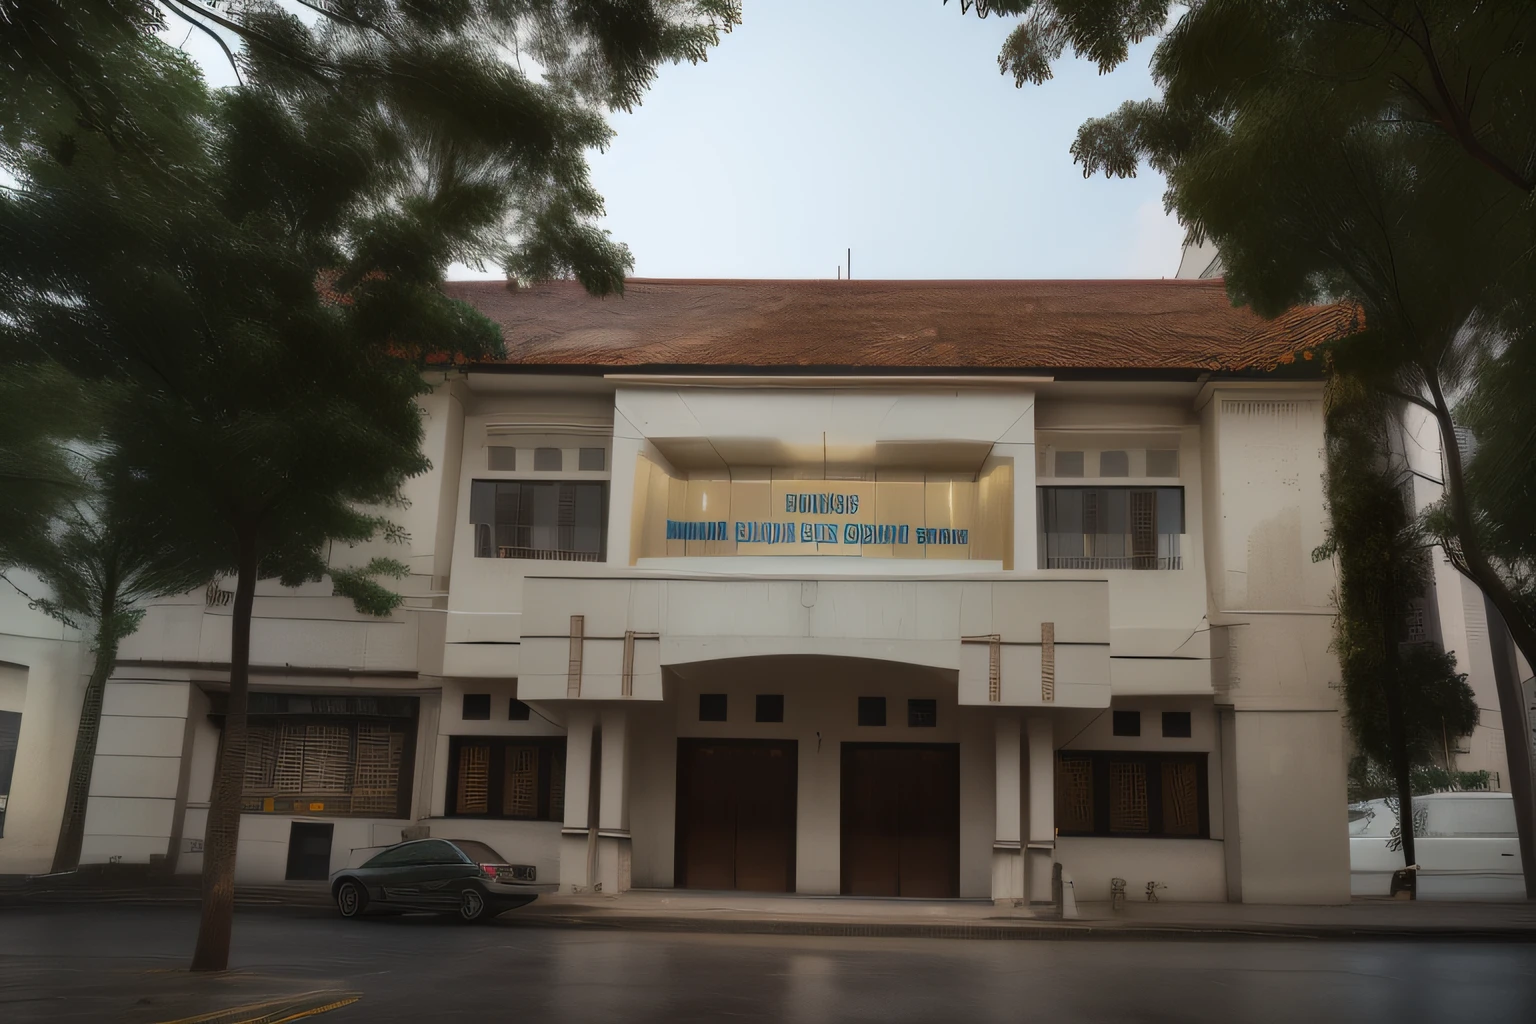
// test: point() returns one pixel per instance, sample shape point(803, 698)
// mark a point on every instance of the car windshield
point(478, 852)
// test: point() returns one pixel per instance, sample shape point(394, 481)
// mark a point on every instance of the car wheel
point(351, 899)
point(472, 906)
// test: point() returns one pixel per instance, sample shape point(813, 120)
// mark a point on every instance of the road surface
point(100, 964)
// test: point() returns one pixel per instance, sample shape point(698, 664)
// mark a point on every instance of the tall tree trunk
point(66, 855)
point(1516, 726)
point(1517, 745)
point(223, 836)
point(1397, 722)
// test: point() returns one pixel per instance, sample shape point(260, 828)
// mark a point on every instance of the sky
point(882, 126)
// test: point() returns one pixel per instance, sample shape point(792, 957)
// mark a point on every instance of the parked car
point(460, 876)
point(1465, 844)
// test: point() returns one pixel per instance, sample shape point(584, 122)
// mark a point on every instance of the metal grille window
point(10, 733)
point(1074, 794)
point(1110, 527)
point(1121, 793)
point(922, 713)
point(332, 766)
point(559, 520)
point(521, 777)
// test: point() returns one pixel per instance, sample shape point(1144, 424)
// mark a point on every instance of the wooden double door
point(901, 819)
point(736, 814)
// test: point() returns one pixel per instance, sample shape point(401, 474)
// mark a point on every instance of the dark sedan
point(450, 875)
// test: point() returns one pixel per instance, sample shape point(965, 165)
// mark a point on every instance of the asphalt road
point(63, 964)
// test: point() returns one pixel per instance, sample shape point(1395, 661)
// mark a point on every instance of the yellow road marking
point(273, 1011)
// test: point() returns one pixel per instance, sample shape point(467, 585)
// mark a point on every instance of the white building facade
point(866, 588)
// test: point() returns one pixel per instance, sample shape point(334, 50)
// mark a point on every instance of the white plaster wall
point(1291, 816)
point(132, 809)
point(1192, 869)
point(820, 696)
point(43, 667)
point(1263, 463)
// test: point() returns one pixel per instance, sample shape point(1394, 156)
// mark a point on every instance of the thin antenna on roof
point(839, 271)
point(850, 264)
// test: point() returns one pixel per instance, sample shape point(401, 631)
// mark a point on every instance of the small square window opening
point(922, 713)
point(477, 707)
point(517, 711)
point(871, 710)
point(1176, 724)
point(770, 707)
point(548, 460)
point(592, 460)
point(1127, 723)
point(1069, 463)
point(712, 707)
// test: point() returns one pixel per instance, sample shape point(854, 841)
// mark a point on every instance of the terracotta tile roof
point(952, 325)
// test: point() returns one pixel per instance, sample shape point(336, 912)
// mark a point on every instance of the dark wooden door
point(901, 819)
point(736, 814)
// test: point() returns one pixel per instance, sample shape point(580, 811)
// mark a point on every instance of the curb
point(1063, 932)
point(1030, 932)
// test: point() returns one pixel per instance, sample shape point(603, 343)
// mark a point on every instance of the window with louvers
point(339, 766)
point(522, 777)
point(1132, 793)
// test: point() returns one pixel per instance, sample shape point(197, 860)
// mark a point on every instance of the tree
point(1399, 699)
point(272, 284)
point(36, 416)
point(1381, 152)
point(101, 556)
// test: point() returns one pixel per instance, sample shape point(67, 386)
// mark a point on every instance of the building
point(879, 588)
point(1453, 613)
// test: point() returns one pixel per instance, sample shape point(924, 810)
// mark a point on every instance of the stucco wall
point(42, 675)
point(820, 696)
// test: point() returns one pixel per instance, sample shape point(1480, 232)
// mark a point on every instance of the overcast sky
point(881, 125)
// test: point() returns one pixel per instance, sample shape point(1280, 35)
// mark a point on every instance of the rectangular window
point(1114, 793)
point(922, 713)
point(1069, 463)
point(558, 520)
point(517, 711)
point(516, 777)
point(712, 707)
point(592, 460)
point(500, 458)
point(770, 707)
point(1127, 723)
point(871, 710)
point(548, 460)
point(1163, 463)
point(1110, 527)
point(328, 765)
point(1176, 725)
point(477, 707)
point(10, 734)
point(1114, 464)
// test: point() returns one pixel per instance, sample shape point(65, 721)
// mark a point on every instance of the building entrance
point(736, 814)
point(901, 819)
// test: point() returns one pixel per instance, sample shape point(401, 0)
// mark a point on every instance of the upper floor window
point(1110, 527)
point(564, 520)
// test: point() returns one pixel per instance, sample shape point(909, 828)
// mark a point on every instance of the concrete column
point(1007, 847)
point(1040, 851)
point(580, 813)
point(613, 843)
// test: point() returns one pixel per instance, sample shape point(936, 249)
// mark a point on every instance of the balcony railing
point(1112, 562)
point(547, 554)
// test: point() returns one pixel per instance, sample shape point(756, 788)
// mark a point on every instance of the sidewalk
point(749, 914)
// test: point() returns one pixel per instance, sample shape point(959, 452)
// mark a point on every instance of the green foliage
point(40, 408)
point(1368, 780)
point(1382, 560)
